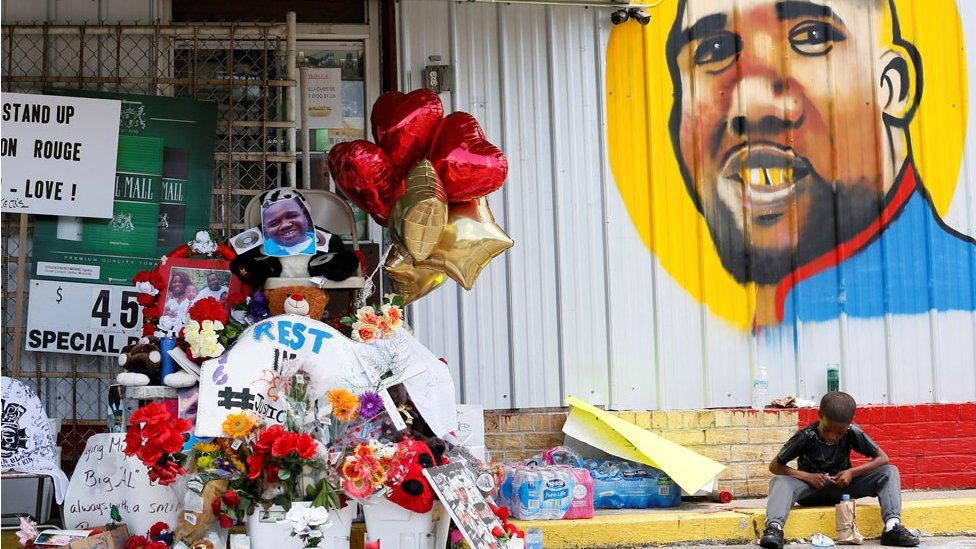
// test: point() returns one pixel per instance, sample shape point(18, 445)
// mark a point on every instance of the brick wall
point(745, 440)
point(933, 445)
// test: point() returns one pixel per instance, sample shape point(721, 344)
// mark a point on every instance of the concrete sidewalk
point(939, 513)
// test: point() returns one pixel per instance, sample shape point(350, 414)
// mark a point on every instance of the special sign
point(59, 154)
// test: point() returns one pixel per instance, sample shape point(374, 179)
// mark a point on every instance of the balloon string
point(368, 286)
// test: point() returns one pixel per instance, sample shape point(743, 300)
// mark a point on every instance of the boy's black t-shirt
point(816, 456)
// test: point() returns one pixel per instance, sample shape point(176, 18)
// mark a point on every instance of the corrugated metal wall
point(78, 12)
point(582, 305)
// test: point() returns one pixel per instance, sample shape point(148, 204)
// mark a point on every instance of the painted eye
point(718, 50)
point(814, 37)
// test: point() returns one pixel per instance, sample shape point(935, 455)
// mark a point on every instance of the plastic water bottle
point(533, 538)
point(845, 497)
point(760, 384)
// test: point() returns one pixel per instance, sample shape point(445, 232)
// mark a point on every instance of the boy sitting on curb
point(824, 473)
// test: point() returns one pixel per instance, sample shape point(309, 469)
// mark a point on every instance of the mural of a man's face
point(778, 124)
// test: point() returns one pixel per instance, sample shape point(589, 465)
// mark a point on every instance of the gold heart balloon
point(468, 243)
point(409, 280)
point(417, 219)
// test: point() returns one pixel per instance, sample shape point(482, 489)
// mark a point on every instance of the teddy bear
point(298, 300)
point(142, 365)
point(413, 491)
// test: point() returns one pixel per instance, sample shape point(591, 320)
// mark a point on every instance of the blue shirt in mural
point(916, 264)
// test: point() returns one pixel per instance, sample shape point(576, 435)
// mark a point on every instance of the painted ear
point(413, 487)
point(155, 357)
point(900, 85)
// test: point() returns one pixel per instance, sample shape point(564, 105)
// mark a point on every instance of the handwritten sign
point(104, 477)
point(471, 429)
point(59, 154)
point(79, 318)
point(455, 487)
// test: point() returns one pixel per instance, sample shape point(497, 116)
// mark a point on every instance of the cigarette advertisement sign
point(55, 150)
point(161, 184)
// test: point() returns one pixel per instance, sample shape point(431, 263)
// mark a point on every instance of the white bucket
point(399, 528)
point(265, 530)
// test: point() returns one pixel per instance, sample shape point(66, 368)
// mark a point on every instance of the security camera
point(639, 15)
point(619, 16)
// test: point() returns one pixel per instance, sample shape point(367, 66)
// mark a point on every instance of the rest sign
point(59, 154)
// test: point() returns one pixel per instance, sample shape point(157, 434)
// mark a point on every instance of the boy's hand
point(843, 479)
point(816, 480)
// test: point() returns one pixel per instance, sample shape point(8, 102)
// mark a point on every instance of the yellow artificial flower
point(345, 405)
point(239, 425)
point(204, 462)
point(205, 447)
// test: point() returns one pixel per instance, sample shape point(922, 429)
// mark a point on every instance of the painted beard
point(837, 213)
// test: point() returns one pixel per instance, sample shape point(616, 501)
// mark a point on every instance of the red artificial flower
point(226, 252)
point(95, 532)
point(511, 529)
point(501, 513)
point(158, 529)
point(306, 446)
point(255, 465)
point(152, 413)
point(148, 329)
point(231, 498)
point(153, 311)
point(166, 474)
point(285, 445)
point(234, 298)
point(208, 308)
point(152, 276)
point(267, 438)
point(215, 507)
point(145, 299)
point(225, 521)
point(157, 545)
point(272, 476)
point(136, 542)
point(498, 532)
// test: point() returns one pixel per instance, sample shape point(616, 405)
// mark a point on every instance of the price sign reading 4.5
point(73, 317)
point(109, 312)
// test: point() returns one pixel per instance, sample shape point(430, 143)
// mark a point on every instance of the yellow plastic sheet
point(591, 425)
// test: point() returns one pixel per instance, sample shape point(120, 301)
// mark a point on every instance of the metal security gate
point(246, 69)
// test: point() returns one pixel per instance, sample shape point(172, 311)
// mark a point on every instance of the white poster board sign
point(84, 319)
point(247, 377)
point(471, 429)
point(324, 102)
point(28, 443)
point(59, 154)
point(104, 477)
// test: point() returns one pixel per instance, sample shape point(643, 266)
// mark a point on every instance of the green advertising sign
point(163, 187)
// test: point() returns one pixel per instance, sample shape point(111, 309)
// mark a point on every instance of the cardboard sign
point(324, 101)
point(455, 487)
point(59, 154)
point(104, 477)
point(113, 537)
point(83, 319)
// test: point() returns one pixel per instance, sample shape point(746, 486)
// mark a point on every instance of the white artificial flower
point(146, 287)
point(308, 521)
point(203, 244)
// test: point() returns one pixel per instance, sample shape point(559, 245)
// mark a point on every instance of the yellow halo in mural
point(647, 174)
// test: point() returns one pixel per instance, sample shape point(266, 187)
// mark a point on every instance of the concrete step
point(938, 513)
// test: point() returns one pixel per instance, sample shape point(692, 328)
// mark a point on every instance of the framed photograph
point(190, 280)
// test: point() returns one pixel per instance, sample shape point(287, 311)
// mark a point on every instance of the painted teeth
point(770, 177)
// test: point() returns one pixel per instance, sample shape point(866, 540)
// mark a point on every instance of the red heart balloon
point(470, 167)
point(366, 176)
point(403, 125)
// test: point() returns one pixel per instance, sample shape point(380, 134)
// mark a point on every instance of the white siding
point(580, 306)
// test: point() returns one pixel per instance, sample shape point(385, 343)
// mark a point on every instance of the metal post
point(292, 74)
point(306, 146)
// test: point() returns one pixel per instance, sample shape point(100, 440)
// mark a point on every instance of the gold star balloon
point(417, 219)
point(468, 243)
point(409, 280)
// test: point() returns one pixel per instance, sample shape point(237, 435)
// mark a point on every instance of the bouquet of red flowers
point(157, 439)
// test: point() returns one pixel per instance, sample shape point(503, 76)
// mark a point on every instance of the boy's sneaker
point(772, 538)
point(899, 536)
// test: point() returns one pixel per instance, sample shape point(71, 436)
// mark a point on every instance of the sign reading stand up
point(59, 154)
